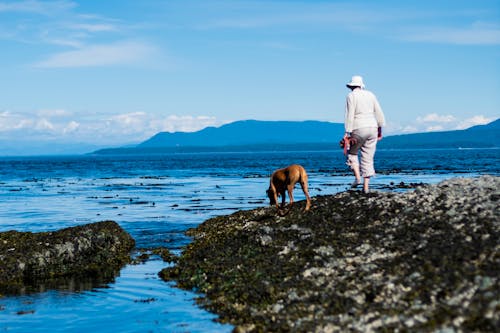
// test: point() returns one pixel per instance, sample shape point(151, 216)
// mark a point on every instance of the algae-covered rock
point(424, 260)
point(28, 259)
point(143, 254)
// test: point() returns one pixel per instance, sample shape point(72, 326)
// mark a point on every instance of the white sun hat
point(356, 81)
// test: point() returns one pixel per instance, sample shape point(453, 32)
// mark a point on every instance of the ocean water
point(156, 198)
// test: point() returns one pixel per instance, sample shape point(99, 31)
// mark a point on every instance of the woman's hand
point(379, 135)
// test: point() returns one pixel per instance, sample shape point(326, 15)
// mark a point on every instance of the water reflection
point(137, 301)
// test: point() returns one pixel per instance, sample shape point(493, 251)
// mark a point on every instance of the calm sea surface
point(156, 198)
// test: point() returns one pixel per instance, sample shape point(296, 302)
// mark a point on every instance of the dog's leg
point(285, 212)
point(290, 195)
point(283, 199)
point(272, 189)
point(303, 184)
point(290, 192)
point(276, 200)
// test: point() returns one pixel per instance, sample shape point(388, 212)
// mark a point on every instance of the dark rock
point(143, 255)
point(28, 260)
point(165, 254)
point(424, 260)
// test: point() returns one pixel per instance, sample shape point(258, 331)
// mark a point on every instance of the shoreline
point(422, 260)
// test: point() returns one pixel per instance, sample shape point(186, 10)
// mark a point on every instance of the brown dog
point(284, 180)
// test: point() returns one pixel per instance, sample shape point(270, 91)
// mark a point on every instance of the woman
point(363, 121)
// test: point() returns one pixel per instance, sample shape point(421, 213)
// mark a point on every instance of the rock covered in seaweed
point(423, 260)
point(27, 259)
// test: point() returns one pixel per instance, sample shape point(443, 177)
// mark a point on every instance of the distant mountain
point(250, 132)
point(480, 136)
point(254, 135)
point(14, 147)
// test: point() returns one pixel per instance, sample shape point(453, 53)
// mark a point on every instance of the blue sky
point(118, 71)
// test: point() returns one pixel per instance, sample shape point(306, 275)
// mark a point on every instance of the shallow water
point(156, 199)
point(138, 301)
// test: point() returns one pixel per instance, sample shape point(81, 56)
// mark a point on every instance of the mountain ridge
point(255, 135)
point(251, 132)
point(479, 136)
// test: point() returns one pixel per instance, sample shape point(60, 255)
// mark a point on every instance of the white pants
point(367, 144)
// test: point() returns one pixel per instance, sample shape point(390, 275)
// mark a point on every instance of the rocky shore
point(33, 261)
point(424, 260)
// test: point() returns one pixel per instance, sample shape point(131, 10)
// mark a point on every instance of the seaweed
point(422, 260)
point(72, 258)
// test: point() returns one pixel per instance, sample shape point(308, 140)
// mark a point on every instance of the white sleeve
point(349, 113)
point(379, 114)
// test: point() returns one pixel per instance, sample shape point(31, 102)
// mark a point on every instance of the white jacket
point(362, 110)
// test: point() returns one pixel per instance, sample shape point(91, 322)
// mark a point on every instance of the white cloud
point(53, 113)
point(70, 42)
point(57, 23)
point(434, 128)
point(434, 122)
point(174, 123)
point(267, 14)
point(135, 127)
point(78, 35)
point(39, 7)
point(71, 127)
point(128, 118)
point(94, 27)
point(476, 120)
point(425, 24)
point(476, 34)
point(436, 118)
point(44, 125)
point(25, 124)
point(142, 125)
point(97, 129)
point(13, 121)
point(128, 124)
point(138, 126)
point(121, 53)
point(409, 129)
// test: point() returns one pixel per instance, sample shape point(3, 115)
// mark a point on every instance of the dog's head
point(270, 194)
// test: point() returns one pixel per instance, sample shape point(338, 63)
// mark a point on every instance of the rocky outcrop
point(28, 259)
point(424, 260)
